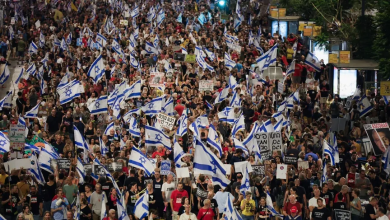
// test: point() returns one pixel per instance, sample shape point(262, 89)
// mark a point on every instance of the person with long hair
point(86, 213)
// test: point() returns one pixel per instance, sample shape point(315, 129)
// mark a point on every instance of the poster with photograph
point(157, 79)
point(379, 135)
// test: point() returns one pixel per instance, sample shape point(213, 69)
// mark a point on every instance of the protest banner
point(165, 167)
point(281, 171)
point(165, 121)
point(190, 58)
point(182, 172)
point(88, 169)
point(156, 79)
point(258, 169)
point(206, 85)
point(291, 160)
point(379, 135)
point(63, 164)
point(179, 57)
point(275, 140)
point(16, 137)
point(115, 166)
point(17, 164)
point(341, 214)
point(98, 170)
point(124, 22)
point(264, 146)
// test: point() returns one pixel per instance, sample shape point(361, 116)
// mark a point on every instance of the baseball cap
point(294, 209)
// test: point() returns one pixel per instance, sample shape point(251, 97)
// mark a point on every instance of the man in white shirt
point(381, 212)
point(166, 190)
point(313, 201)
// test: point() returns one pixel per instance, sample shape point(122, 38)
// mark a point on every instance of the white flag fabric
point(139, 160)
point(6, 101)
point(134, 91)
point(182, 124)
point(141, 209)
point(4, 75)
point(4, 143)
point(154, 137)
point(153, 107)
point(214, 140)
point(98, 106)
point(35, 170)
point(69, 92)
point(267, 58)
point(96, 71)
point(313, 62)
point(33, 113)
point(80, 170)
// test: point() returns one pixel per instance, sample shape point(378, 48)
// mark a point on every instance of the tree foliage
point(382, 41)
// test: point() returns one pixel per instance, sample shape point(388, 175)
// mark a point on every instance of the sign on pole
point(16, 137)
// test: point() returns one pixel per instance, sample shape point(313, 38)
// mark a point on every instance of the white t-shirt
point(313, 202)
point(184, 216)
point(383, 218)
point(168, 188)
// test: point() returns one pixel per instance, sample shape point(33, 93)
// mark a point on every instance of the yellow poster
point(274, 12)
point(345, 56)
point(316, 31)
point(333, 58)
point(308, 31)
point(302, 25)
point(385, 88)
point(282, 12)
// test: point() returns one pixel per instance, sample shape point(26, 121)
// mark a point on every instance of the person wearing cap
point(294, 214)
point(248, 206)
point(320, 212)
point(292, 201)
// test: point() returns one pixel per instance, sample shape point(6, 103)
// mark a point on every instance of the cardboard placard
point(17, 164)
point(303, 165)
point(258, 169)
point(165, 121)
point(182, 172)
point(291, 160)
point(115, 166)
point(275, 140)
point(206, 85)
point(156, 79)
point(165, 168)
point(281, 171)
point(63, 164)
point(16, 137)
point(179, 56)
point(385, 88)
point(341, 214)
point(88, 169)
point(124, 22)
point(264, 146)
point(190, 58)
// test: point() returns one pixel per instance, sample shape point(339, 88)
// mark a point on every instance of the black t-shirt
point(106, 187)
point(68, 122)
point(312, 93)
point(157, 185)
point(328, 198)
point(340, 205)
point(320, 214)
point(86, 210)
point(10, 208)
point(152, 197)
point(248, 112)
point(35, 200)
point(54, 123)
point(369, 210)
point(324, 90)
point(132, 198)
point(48, 192)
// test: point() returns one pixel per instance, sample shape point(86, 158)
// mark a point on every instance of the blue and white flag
point(126, 117)
point(141, 208)
point(239, 125)
point(386, 161)
point(207, 163)
point(45, 156)
point(356, 94)
point(151, 14)
point(210, 54)
point(216, 46)
point(290, 70)
point(109, 128)
point(135, 12)
point(4, 143)
point(33, 113)
point(41, 40)
point(103, 148)
point(80, 142)
point(313, 62)
point(96, 71)
point(63, 45)
point(160, 17)
point(294, 97)
point(116, 108)
point(245, 181)
point(182, 124)
point(117, 48)
point(133, 61)
point(178, 154)
point(223, 115)
point(272, 210)
point(230, 212)
point(214, 140)
point(101, 40)
point(81, 171)
point(69, 92)
point(386, 99)
point(30, 147)
point(364, 106)
point(324, 178)
point(222, 95)
point(153, 107)
point(139, 160)
point(267, 126)
point(179, 18)
point(33, 48)
point(19, 77)
point(251, 143)
point(183, 50)
point(239, 145)
point(251, 38)
point(6, 102)
point(229, 63)
point(236, 100)
point(279, 125)
point(209, 106)
point(4, 75)
point(237, 23)
point(133, 127)
point(68, 39)
point(64, 81)
point(134, 91)
point(202, 19)
point(150, 49)
point(267, 58)
point(32, 69)
point(121, 210)
point(98, 106)
point(168, 107)
point(156, 137)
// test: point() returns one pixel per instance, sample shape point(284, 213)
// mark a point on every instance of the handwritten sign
point(165, 167)
point(165, 121)
point(16, 137)
point(206, 85)
point(263, 143)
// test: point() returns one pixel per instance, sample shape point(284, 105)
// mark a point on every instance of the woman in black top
point(184, 202)
point(111, 199)
point(86, 213)
point(152, 196)
point(262, 210)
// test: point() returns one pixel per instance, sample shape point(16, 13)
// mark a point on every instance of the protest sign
point(379, 135)
point(17, 164)
point(281, 171)
point(206, 85)
point(275, 139)
point(88, 169)
point(63, 164)
point(98, 170)
point(263, 143)
point(182, 172)
point(179, 57)
point(165, 167)
point(303, 165)
point(115, 166)
point(291, 160)
point(16, 137)
point(165, 121)
point(156, 79)
point(124, 22)
point(227, 168)
point(190, 58)
point(341, 214)
point(258, 169)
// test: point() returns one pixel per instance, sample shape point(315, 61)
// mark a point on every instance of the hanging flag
point(134, 90)
point(222, 95)
point(80, 170)
point(4, 75)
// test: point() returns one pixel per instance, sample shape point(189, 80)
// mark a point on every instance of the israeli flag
point(214, 140)
point(251, 143)
point(178, 154)
point(216, 46)
point(81, 171)
point(210, 106)
point(69, 92)
point(6, 102)
point(207, 163)
point(134, 91)
point(41, 40)
point(258, 47)
point(151, 14)
point(96, 71)
point(109, 128)
point(141, 208)
point(230, 212)
point(278, 126)
point(33, 113)
point(268, 58)
point(135, 12)
point(356, 94)
point(4, 143)
point(64, 81)
point(33, 48)
point(153, 107)
point(222, 96)
point(121, 210)
point(4, 75)
point(98, 106)
point(237, 23)
point(182, 124)
point(267, 126)
point(324, 178)
point(130, 113)
point(183, 50)
point(103, 148)
point(45, 156)
point(101, 40)
point(150, 49)
point(364, 106)
point(239, 125)
point(139, 160)
point(239, 145)
point(80, 142)
point(69, 39)
point(290, 70)
point(210, 54)
point(30, 147)
point(386, 99)
point(313, 62)
point(179, 18)
point(295, 46)
point(160, 17)
point(117, 47)
point(133, 61)
point(63, 45)
point(223, 115)
point(251, 38)
point(245, 182)
point(293, 97)
point(32, 69)
point(271, 209)
point(202, 19)
point(333, 146)
point(229, 63)
point(35, 170)
point(116, 108)
point(168, 107)
point(133, 127)
point(155, 137)
point(236, 100)
point(19, 77)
